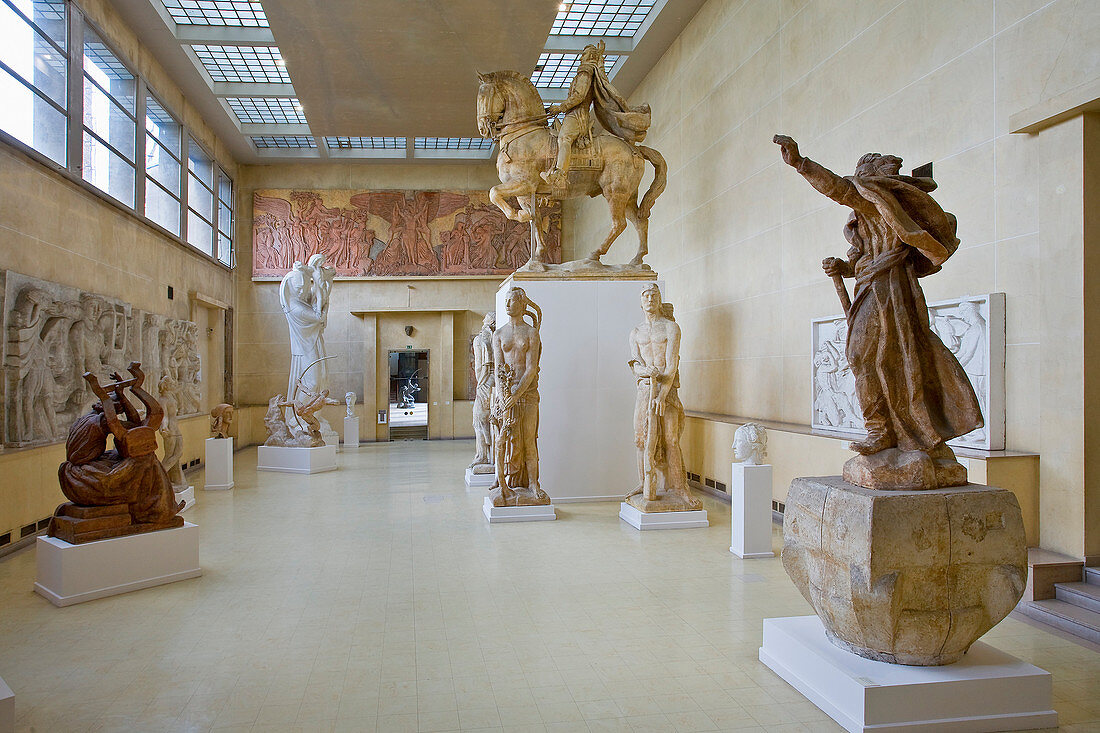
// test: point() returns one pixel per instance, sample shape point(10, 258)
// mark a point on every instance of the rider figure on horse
point(591, 88)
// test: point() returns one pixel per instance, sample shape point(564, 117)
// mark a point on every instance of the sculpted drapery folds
point(304, 295)
point(483, 373)
point(913, 392)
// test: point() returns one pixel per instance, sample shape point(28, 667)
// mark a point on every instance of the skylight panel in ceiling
point(285, 142)
point(601, 17)
point(239, 13)
point(365, 143)
point(452, 143)
point(257, 64)
point(558, 69)
point(267, 110)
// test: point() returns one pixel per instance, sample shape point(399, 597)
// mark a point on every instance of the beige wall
point(54, 229)
point(739, 237)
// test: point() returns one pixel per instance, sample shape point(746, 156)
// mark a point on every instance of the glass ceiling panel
point(558, 69)
point(452, 143)
point(267, 110)
point(261, 64)
point(601, 17)
point(240, 13)
point(365, 143)
point(284, 141)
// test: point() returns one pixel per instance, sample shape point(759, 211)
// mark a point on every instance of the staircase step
point(1079, 594)
point(1061, 615)
point(1092, 576)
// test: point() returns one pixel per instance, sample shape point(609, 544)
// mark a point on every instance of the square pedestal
point(7, 709)
point(987, 690)
point(296, 460)
point(751, 511)
point(541, 513)
point(351, 433)
point(187, 496)
point(586, 390)
point(219, 464)
point(479, 479)
point(662, 520)
point(69, 574)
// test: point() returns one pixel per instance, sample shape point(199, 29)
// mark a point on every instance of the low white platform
point(351, 433)
point(187, 496)
point(7, 709)
point(662, 520)
point(751, 511)
point(987, 691)
point(69, 574)
point(494, 514)
point(296, 460)
point(219, 464)
point(479, 479)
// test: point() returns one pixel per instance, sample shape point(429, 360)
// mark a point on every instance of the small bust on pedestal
point(750, 444)
point(751, 494)
point(221, 417)
point(349, 400)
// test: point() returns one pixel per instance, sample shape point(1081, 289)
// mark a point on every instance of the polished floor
point(378, 598)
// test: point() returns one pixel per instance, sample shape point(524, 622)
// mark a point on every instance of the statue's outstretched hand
point(789, 149)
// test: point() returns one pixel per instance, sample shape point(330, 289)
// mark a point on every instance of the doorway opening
point(408, 397)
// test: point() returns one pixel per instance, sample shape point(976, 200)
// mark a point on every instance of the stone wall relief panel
point(54, 333)
point(972, 327)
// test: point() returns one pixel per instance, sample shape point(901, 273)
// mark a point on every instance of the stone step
point(1092, 576)
point(1067, 617)
point(1079, 594)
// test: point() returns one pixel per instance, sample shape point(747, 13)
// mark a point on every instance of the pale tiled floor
point(378, 598)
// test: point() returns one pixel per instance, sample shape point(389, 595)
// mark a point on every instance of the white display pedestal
point(494, 514)
point(69, 574)
point(187, 496)
point(7, 709)
point(219, 464)
point(479, 479)
point(586, 411)
point(987, 690)
point(351, 433)
point(751, 511)
point(296, 460)
point(662, 520)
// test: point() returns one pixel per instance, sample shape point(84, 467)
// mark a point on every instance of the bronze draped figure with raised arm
point(912, 391)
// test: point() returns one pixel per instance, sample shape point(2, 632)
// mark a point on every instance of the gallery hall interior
point(543, 366)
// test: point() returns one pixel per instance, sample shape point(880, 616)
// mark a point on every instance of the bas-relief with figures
point(391, 233)
point(56, 333)
point(903, 560)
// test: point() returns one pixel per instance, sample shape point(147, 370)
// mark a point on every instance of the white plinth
point(296, 460)
point(351, 433)
point(219, 464)
point(494, 514)
point(187, 496)
point(586, 414)
point(662, 520)
point(479, 479)
point(987, 691)
point(69, 574)
point(751, 511)
point(7, 709)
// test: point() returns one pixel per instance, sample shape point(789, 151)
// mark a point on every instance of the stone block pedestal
point(479, 479)
point(751, 511)
point(351, 433)
point(219, 464)
point(187, 496)
point(7, 709)
point(296, 460)
point(537, 513)
point(662, 520)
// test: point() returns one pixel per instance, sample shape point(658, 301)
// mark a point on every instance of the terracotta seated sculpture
point(121, 491)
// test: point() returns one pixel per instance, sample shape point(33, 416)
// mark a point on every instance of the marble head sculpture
point(221, 417)
point(750, 444)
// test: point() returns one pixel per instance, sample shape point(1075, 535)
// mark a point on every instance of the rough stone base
point(664, 503)
point(897, 470)
point(521, 496)
point(907, 577)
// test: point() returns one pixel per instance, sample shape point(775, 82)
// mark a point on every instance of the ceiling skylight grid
point(238, 13)
point(284, 142)
point(267, 110)
point(248, 64)
point(365, 143)
point(96, 52)
point(452, 143)
point(558, 69)
point(601, 17)
point(158, 114)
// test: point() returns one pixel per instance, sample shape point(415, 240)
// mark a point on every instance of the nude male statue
point(658, 413)
point(483, 373)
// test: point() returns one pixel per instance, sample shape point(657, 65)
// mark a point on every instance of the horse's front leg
point(499, 194)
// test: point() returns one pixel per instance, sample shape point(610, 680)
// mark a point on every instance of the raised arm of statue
point(836, 187)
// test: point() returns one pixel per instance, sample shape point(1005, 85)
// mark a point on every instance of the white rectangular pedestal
point(479, 479)
point(987, 691)
point(219, 464)
point(662, 520)
point(751, 511)
point(187, 496)
point(296, 460)
point(586, 389)
point(351, 433)
point(69, 574)
point(541, 513)
point(7, 709)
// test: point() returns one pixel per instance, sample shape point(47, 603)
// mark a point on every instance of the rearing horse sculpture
point(510, 111)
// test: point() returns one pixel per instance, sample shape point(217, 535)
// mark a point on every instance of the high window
point(163, 138)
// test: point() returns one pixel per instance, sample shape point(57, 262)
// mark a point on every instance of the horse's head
point(504, 96)
point(490, 106)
